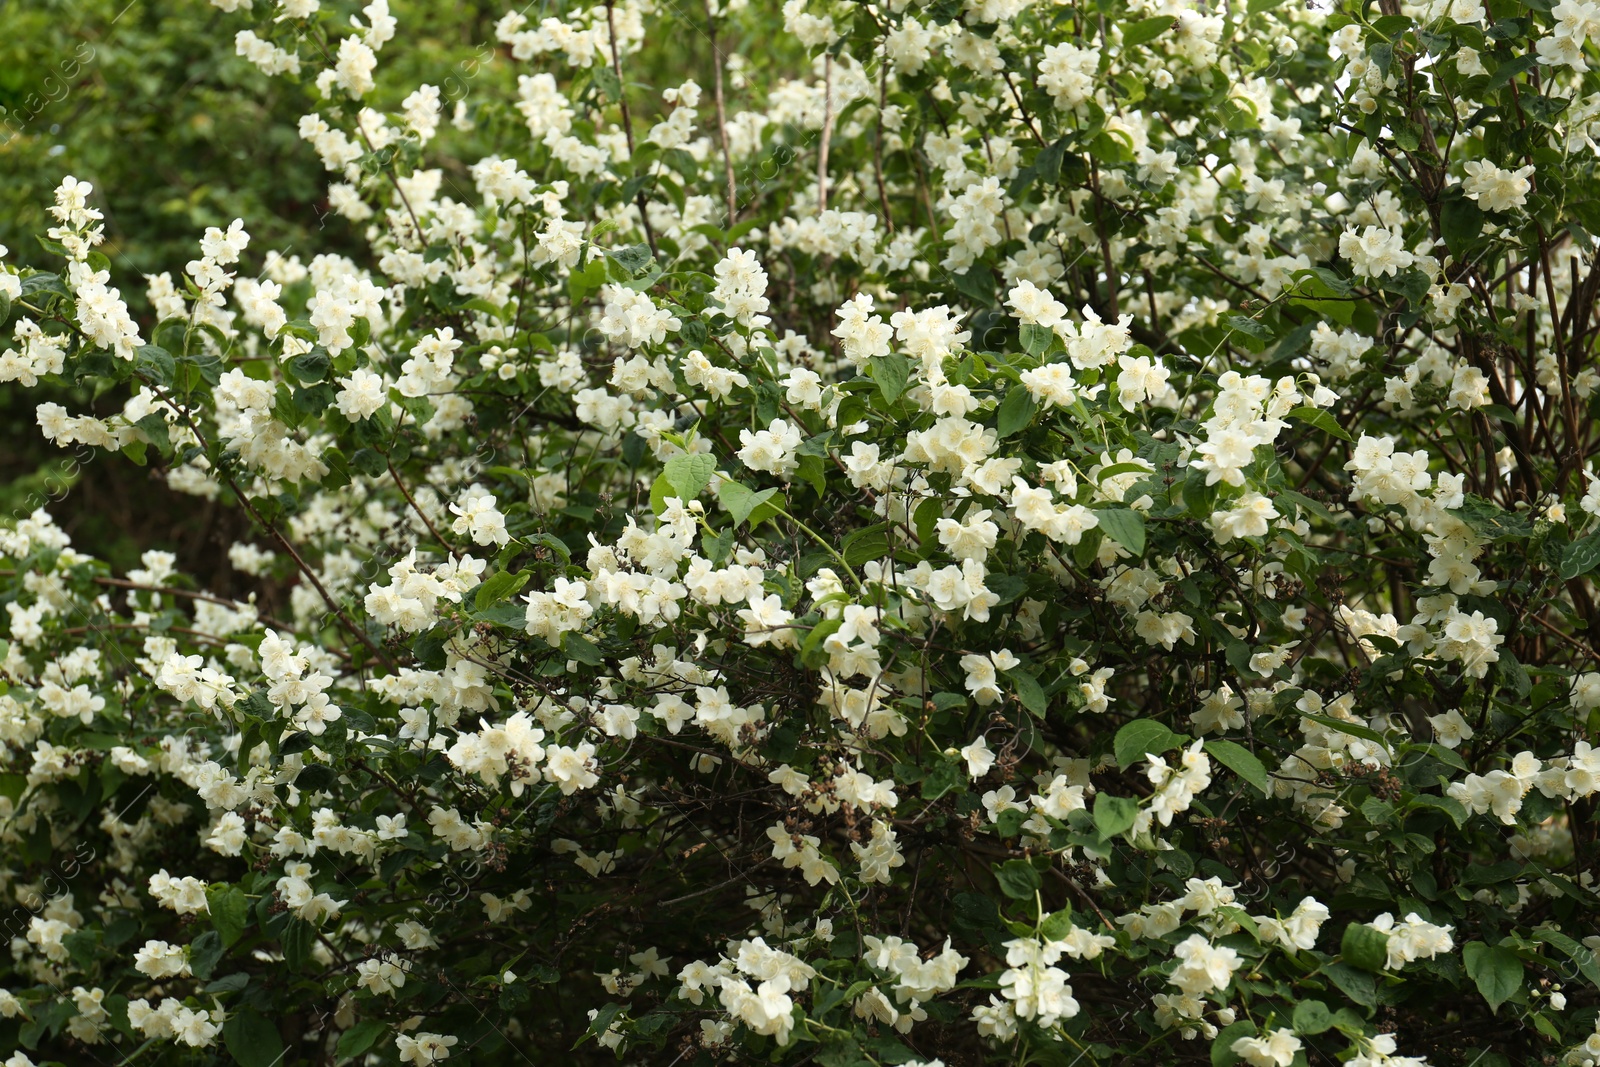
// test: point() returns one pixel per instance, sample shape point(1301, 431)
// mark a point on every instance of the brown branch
point(627, 121)
point(827, 134)
point(722, 117)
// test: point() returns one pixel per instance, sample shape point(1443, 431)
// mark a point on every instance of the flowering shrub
point(1054, 534)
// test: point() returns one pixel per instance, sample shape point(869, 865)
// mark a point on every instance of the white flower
point(1375, 251)
point(979, 758)
point(1494, 188)
point(361, 394)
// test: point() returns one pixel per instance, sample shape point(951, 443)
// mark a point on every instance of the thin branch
point(722, 117)
point(827, 134)
point(627, 121)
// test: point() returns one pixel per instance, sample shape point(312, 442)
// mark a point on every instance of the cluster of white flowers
point(829, 555)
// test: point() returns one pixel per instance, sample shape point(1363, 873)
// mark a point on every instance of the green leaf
point(1545, 109)
point(1241, 761)
point(230, 912)
point(1305, 503)
point(150, 362)
point(866, 545)
point(1114, 815)
point(1580, 954)
point(1141, 737)
point(606, 80)
point(581, 649)
point(360, 1037)
point(230, 984)
point(891, 373)
point(298, 741)
point(1057, 925)
point(1364, 947)
point(1449, 805)
point(1322, 421)
point(742, 502)
point(977, 282)
point(1359, 986)
point(814, 472)
point(660, 490)
point(1250, 327)
point(1493, 522)
point(552, 542)
point(311, 367)
point(204, 952)
point(580, 283)
point(1018, 880)
point(1125, 526)
point(1222, 1054)
point(296, 941)
point(1580, 557)
point(368, 461)
point(1510, 69)
point(1354, 729)
point(1146, 30)
point(1312, 1017)
point(631, 258)
point(500, 586)
point(1036, 340)
point(1497, 971)
point(1460, 222)
point(1015, 412)
point(252, 1040)
point(1029, 691)
point(689, 475)
point(947, 775)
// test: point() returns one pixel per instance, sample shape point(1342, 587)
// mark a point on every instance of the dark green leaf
point(632, 258)
point(1015, 412)
point(1018, 880)
point(1146, 30)
point(1580, 557)
point(151, 362)
point(744, 503)
point(1322, 421)
point(1251, 327)
point(1496, 970)
point(1114, 815)
point(1029, 692)
point(1364, 947)
point(500, 586)
point(1125, 526)
point(252, 1040)
point(204, 952)
point(1141, 737)
point(1460, 222)
point(296, 940)
point(582, 649)
point(1241, 761)
point(690, 474)
point(228, 984)
point(1312, 1017)
point(891, 373)
point(230, 912)
point(360, 1037)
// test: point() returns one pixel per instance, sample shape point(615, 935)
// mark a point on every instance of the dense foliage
point(1051, 534)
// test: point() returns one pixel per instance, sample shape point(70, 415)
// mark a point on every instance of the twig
point(722, 116)
point(627, 122)
point(877, 149)
point(827, 134)
point(437, 536)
